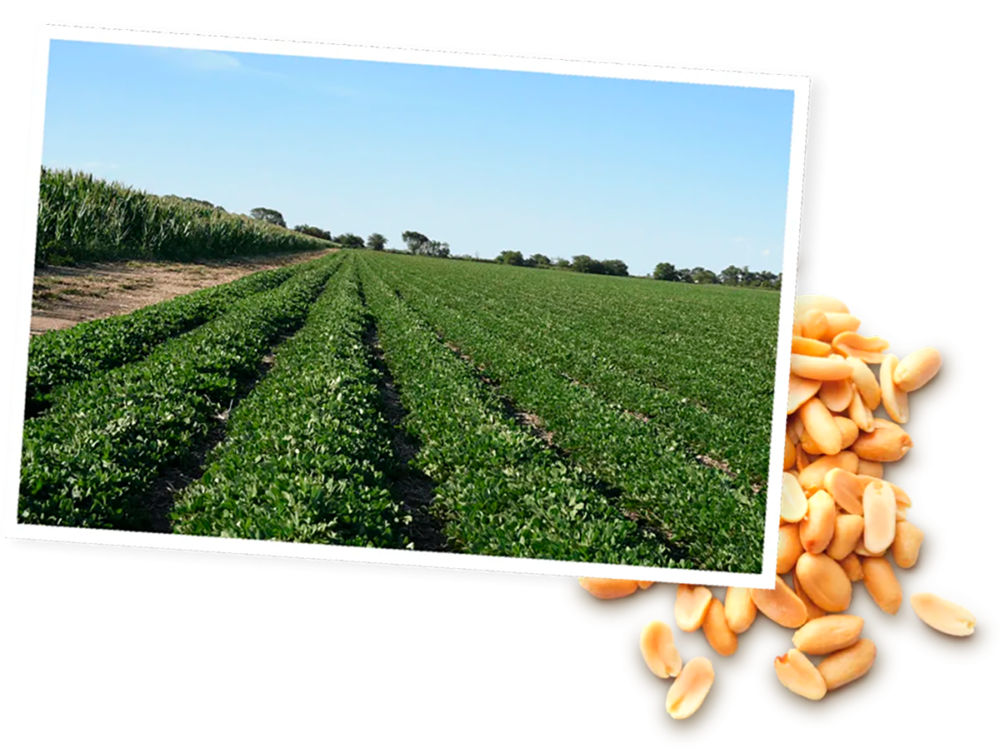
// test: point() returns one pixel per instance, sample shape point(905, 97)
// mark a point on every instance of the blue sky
point(642, 171)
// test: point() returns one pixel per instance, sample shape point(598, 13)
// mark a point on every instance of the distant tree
point(562, 263)
point(435, 249)
point(703, 277)
point(666, 272)
point(377, 242)
point(684, 276)
point(731, 276)
point(539, 261)
point(313, 231)
point(587, 264)
point(510, 257)
point(351, 241)
point(414, 240)
point(269, 215)
point(615, 267)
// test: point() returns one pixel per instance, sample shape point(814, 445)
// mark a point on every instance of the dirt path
point(63, 297)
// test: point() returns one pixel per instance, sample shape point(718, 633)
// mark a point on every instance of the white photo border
point(11, 458)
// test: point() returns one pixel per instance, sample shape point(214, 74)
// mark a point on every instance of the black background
point(303, 648)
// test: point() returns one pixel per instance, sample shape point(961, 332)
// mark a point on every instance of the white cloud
point(766, 252)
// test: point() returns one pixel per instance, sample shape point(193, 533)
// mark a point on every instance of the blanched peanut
point(802, 459)
point(645, 585)
point(811, 478)
point(789, 453)
point(848, 431)
point(865, 382)
point(861, 414)
point(820, 426)
point(609, 589)
point(861, 551)
point(814, 324)
point(846, 489)
point(895, 401)
point(824, 581)
point(828, 634)
point(849, 343)
point(847, 531)
point(799, 675)
point(793, 499)
point(809, 446)
point(796, 426)
point(781, 604)
point(848, 665)
point(851, 565)
point(813, 611)
point(917, 369)
point(882, 585)
point(816, 528)
point(789, 547)
point(906, 546)
point(739, 608)
point(800, 390)
point(688, 692)
point(822, 369)
point(656, 642)
point(805, 302)
point(717, 631)
point(691, 606)
point(879, 503)
point(836, 394)
point(944, 616)
point(902, 498)
point(887, 443)
point(839, 323)
point(809, 346)
point(869, 468)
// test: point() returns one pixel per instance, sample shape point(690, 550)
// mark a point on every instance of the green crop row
point(307, 455)
point(715, 520)
point(85, 219)
point(499, 490)
point(93, 458)
point(81, 351)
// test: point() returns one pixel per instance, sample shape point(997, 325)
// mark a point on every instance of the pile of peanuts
point(840, 521)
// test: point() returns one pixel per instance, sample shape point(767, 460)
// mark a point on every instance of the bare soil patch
point(66, 296)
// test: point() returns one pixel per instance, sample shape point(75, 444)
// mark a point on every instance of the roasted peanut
point(816, 528)
point(871, 469)
point(851, 565)
point(799, 675)
point(820, 426)
point(838, 323)
point(813, 611)
point(848, 665)
point(809, 346)
point(828, 634)
point(645, 585)
point(821, 369)
point(740, 609)
point(814, 324)
point(879, 504)
point(886, 443)
point(789, 453)
point(793, 499)
point(812, 476)
point(800, 391)
point(861, 414)
point(882, 585)
point(717, 631)
point(906, 545)
point(609, 589)
point(865, 382)
point(691, 606)
point(824, 581)
point(846, 489)
point(848, 431)
point(656, 642)
point(789, 547)
point(917, 369)
point(944, 616)
point(688, 692)
point(847, 531)
point(836, 394)
point(781, 605)
point(894, 400)
point(848, 340)
point(806, 302)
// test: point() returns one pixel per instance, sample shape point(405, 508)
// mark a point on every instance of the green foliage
point(414, 240)
point(84, 219)
point(376, 242)
point(538, 261)
point(586, 264)
point(269, 215)
point(665, 272)
point(349, 241)
point(615, 267)
point(314, 231)
point(510, 257)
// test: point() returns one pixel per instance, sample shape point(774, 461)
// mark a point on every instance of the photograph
point(431, 308)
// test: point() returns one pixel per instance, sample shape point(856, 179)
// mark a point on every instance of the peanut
point(800, 390)
point(917, 369)
point(869, 468)
point(816, 528)
point(806, 302)
point(825, 581)
point(847, 531)
point(609, 589)
point(812, 476)
point(836, 394)
point(820, 426)
point(793, 500)
point(944, 616)
point(850, 340)
point(656, 642)
point(799, 675)
point(821, 369)
point(645, 585)
point(865, 382)
point(789, 453)
point(886, 443)
point(688, 692)
point(861, 414)
point(838, 323)
point(879, 504)
point(848, 665)
point(906, 546)
point(809, 346)
point(789, 547)
point(813, 611)
point(717, 631)
point(814, 324)
point(849, 431)
point(894, 400)
point(781, 604)
point(691, 606)
point(882, 585)
point(828, 634)
point(846, 489)
point(851, 565)
point(740, 609)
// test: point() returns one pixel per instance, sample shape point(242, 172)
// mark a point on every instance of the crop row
point(499, 489)
point(81, 351)
point(84, 219)
point(307, 455)
point(717, 522)
point(92, 459)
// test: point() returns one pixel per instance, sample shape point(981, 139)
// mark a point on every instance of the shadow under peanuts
point(765, 639)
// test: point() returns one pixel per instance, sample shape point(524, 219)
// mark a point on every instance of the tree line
point(731, 276)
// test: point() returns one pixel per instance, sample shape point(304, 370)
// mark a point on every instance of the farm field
point(383, 400)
